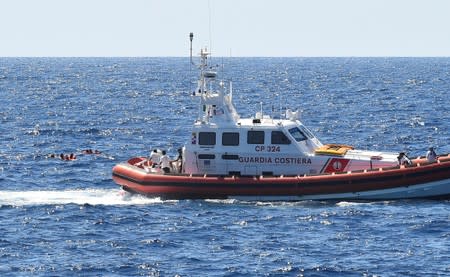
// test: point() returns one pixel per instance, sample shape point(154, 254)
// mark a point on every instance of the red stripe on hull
point(185, 186)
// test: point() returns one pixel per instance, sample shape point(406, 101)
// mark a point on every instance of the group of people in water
point(403, 159)
point(159, 158)
point(73, 156)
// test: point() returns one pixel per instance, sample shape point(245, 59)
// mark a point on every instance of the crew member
point(155, 157)
point(403, 159)
point(165, 162)
point(431, 155)
point(179, 160)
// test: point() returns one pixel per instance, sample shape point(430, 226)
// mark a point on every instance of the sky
point(270, 28)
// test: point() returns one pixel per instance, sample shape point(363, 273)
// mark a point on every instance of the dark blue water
point(61, 218)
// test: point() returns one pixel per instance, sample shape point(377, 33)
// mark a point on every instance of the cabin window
point(206, 156)
point(207, 138)
point(230, 139)
point(234, 173)
point(230, 157)
point(279, 137)
point(297, 134)
point(255, 137)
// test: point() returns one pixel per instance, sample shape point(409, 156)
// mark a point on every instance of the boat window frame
point(207, 138)
point(306, 132)
point(298, 139)
point(230, 138)
point(256, 137)
point(278, 137)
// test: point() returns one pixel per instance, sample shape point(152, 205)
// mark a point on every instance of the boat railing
point(137, 161)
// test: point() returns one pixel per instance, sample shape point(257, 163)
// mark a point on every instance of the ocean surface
point(68, 218)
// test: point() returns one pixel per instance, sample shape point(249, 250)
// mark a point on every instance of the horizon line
point(229, 57)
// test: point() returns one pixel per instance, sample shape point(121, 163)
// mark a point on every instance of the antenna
point(191, 37)
point(261, 108)
point(209, 21)
point(279, 100)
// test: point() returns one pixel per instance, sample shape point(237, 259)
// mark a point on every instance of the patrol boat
point(263, 158)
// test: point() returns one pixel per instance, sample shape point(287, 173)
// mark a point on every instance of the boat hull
point(417, 181)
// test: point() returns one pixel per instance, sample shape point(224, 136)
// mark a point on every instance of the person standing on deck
point(165, 162)
point(155, 157)
point(178, 161)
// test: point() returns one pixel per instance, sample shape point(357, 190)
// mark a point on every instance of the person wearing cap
point(431, 155)
point(403, 159)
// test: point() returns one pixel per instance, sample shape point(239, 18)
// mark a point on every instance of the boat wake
point(344, 204)
point(108, 197)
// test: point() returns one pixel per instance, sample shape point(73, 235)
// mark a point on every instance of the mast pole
point(191, 37)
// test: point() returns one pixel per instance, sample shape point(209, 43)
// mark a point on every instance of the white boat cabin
point(222, 143)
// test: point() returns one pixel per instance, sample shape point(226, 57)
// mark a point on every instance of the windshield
point(297, 134)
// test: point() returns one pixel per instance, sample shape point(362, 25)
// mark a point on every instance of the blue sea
point(68, 218)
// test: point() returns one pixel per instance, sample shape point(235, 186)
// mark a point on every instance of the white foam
point(82, 196)
point(221, 201)
point(348, 204)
